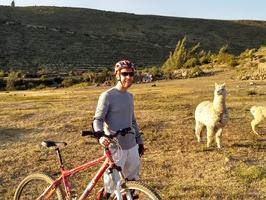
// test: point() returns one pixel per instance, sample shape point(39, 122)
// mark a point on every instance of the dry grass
point(174, 163)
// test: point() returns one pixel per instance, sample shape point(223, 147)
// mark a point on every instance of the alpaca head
point(220, 89)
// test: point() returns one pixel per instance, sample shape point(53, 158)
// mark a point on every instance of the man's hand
point(104, 141)
point(141, 150)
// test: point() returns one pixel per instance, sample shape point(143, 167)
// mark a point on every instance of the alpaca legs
point(254, 123)
point(209, 136)
point(198, 129)
point(218, 137)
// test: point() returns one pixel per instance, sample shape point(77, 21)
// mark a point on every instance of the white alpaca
point(259, 114)
point(213, 115)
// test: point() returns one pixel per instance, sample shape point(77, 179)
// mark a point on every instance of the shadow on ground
point(13, 134)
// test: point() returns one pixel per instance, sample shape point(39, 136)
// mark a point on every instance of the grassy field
point(174, 163)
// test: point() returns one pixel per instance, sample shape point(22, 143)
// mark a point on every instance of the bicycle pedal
point(124, 197)
point(135, 196)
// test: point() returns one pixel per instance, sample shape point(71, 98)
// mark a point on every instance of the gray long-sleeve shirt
point(115, 110)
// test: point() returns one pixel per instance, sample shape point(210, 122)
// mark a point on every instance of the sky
point(206, 9)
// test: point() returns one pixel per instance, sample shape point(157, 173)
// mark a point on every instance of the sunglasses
point(127, 74)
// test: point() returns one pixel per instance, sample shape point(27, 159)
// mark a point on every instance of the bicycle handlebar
point(98, 134)
point(86, 133)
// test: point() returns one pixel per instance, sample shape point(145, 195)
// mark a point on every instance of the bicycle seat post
point(59, 157)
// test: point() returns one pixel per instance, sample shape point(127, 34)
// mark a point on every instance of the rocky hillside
point(59, 37)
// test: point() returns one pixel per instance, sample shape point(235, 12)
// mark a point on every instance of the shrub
point(192, 62)
point(263, 60)
point(250, 173)
point(196, 71)
point(41, 71)
point(68, 81)
point(104, 75)
point(41, 86)
point(156, 72)
point(43, 78)
point(2, 73)
point(177, 58)
point(224, 57)
point(232, 61)
point(248, 53)
point(88, 77)
point(11, 80)
point(205, 58)
point(183, 58)
point(169, 75)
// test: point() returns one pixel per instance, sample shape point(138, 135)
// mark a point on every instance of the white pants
point(130, 165)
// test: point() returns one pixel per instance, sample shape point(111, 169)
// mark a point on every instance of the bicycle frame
point(107, 163)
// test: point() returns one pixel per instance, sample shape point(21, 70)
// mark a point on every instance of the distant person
point(13, 4)
point(115, 110)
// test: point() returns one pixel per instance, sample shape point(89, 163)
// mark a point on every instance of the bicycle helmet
point(123, 64)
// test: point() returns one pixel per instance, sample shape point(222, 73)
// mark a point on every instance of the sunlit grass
point(173, 163)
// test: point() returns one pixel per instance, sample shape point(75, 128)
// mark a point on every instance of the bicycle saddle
point(50, 143)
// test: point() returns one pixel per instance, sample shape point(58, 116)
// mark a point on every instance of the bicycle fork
point(121, 184)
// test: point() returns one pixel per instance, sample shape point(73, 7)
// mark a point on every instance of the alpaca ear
point(223, 84)
point(216, 84)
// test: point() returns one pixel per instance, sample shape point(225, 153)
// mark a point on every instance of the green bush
point(2, 73)
point(205, 58)
point(177, 58)
point(154, 71)
point(88, 77)
point(190, 63)
point(185, 58)
point(43, 77)
point(104, 75)
point(250, 173)
point(196, 71)
point(263, 59)
point(41, 86)
point(233, 62)
point(11, 80)
point(68, 81)
point(41, 71)
point(248, 53)
point(224, 57)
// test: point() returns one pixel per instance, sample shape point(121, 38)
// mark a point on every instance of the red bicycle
point(41, 186)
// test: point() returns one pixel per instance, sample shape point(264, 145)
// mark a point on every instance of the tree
point(176, 59)
point(224, 57)
point(181, 57)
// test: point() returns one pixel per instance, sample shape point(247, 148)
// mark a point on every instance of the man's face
point(126, 77)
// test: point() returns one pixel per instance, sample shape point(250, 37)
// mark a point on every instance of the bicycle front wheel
point(138, 190)
point(34, 185)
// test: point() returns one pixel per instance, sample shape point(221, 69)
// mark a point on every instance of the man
point(115, 110)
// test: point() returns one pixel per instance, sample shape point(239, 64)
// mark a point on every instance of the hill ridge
point(31, 37)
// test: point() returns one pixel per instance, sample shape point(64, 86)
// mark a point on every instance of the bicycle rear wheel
point(139, 191)
point(34, 185)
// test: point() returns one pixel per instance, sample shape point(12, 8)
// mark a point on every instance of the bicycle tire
point(34, 185)
point(141, 191)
